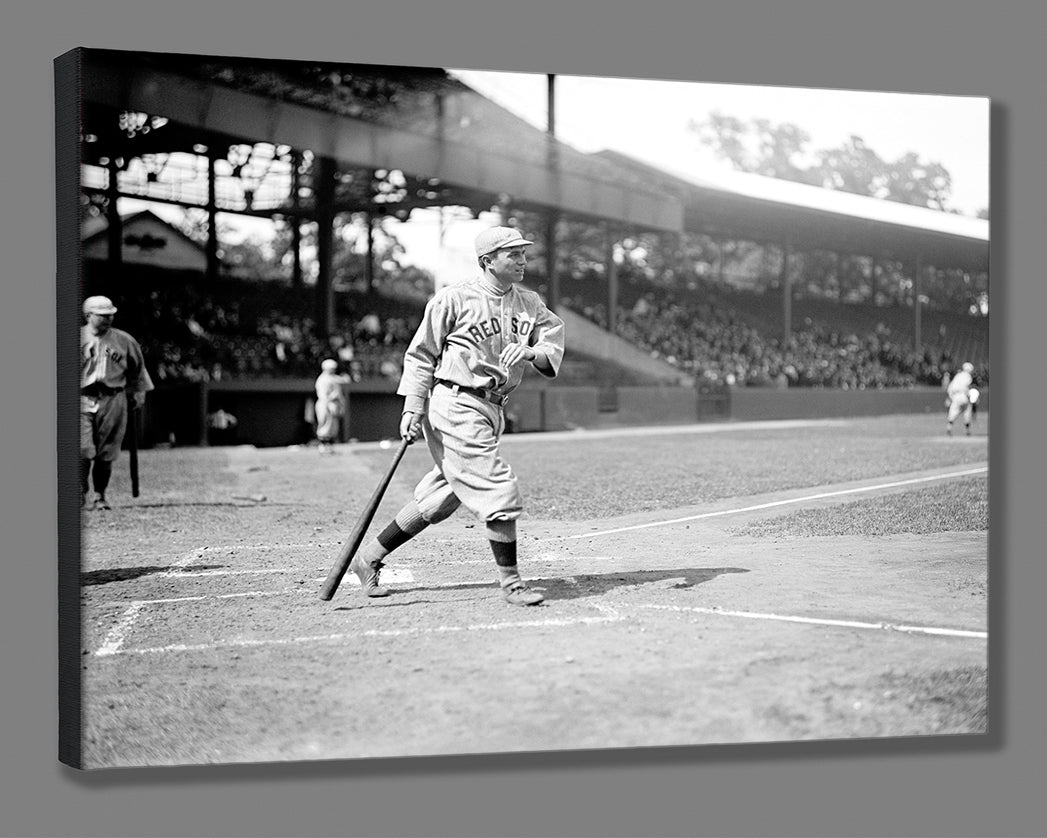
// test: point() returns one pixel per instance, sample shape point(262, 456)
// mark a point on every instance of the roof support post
point(325, 175)
point(212, 217)
point(296, 250)
point(369, 264)
point(551, 259)
point(552, 217)
point(112, 211)
point(787, 295)
point(505, 208)
point(296, 219)
point(874, 282)
point(612, 280)
point(917, 293)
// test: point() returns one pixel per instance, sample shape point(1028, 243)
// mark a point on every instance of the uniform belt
point(486, 395)
point(98, 390)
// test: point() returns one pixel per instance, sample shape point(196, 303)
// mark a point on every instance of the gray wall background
point(903, 788)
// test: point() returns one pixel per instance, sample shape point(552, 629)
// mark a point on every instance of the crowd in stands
point(704, 336)
point(258, 335)
point(249, 332)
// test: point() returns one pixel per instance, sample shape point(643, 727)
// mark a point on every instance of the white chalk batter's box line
point(113, 644)
point(114, 641)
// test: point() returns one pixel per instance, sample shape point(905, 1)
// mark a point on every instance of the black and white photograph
point(429, 411)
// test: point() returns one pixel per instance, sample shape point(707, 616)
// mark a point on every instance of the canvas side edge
point(67, 80)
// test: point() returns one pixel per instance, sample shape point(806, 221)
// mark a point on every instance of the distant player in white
point(331, 405)
point(468, 355)
point(961, 396)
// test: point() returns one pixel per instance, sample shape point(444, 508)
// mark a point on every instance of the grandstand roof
point(742, 205)
point(420, 121)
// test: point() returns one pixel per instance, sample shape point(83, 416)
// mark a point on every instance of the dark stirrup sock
point(103, 470)
point(405, 526)
point(502, 536)
point(505, 559)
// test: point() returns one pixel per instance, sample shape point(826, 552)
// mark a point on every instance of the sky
point(650, 119)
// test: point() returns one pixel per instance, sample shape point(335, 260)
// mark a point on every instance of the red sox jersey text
point(463, 332)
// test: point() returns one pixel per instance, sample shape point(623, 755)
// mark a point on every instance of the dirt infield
point(205, 640)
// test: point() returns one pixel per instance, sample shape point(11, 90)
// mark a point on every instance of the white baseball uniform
point(958, 394)
point(330, 405)
point(452, 375)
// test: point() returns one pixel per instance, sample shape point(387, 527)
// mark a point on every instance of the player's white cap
point(968, 366)
point(495, 238)
point(329, 364)
point(99, 305)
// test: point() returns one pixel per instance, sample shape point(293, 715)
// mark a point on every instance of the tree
point(852, 167)
point(759, 147)
point(261, 258)
point(782, 151)
point(912, 181)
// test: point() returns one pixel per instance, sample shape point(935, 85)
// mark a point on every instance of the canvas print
point(443, 411)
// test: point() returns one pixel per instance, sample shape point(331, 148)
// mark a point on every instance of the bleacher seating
point(722, 334)
point(241, 329)
point(714, 333)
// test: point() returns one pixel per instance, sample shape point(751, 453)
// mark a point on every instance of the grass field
point(746, 582)
point(961, 506)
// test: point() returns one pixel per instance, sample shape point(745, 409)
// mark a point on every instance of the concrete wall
point(526, 410)
point(274, 413)
point(567, 408)
point(802, 403)
point(657, 405)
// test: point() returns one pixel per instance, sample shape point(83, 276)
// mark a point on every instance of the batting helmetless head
point(329, 365)
point(495, 238)
point(968, 367)
point(99, 305)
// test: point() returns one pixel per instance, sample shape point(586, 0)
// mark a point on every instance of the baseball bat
point(352, 544)
point(132, 444)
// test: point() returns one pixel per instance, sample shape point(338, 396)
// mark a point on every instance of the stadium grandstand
point(696, 290)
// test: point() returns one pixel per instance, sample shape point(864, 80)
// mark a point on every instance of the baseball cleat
point(368, 576)
point(519, 594)
point(101, 502)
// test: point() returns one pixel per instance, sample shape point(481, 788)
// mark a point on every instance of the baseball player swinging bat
point(132, 443)
point(352, 544)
